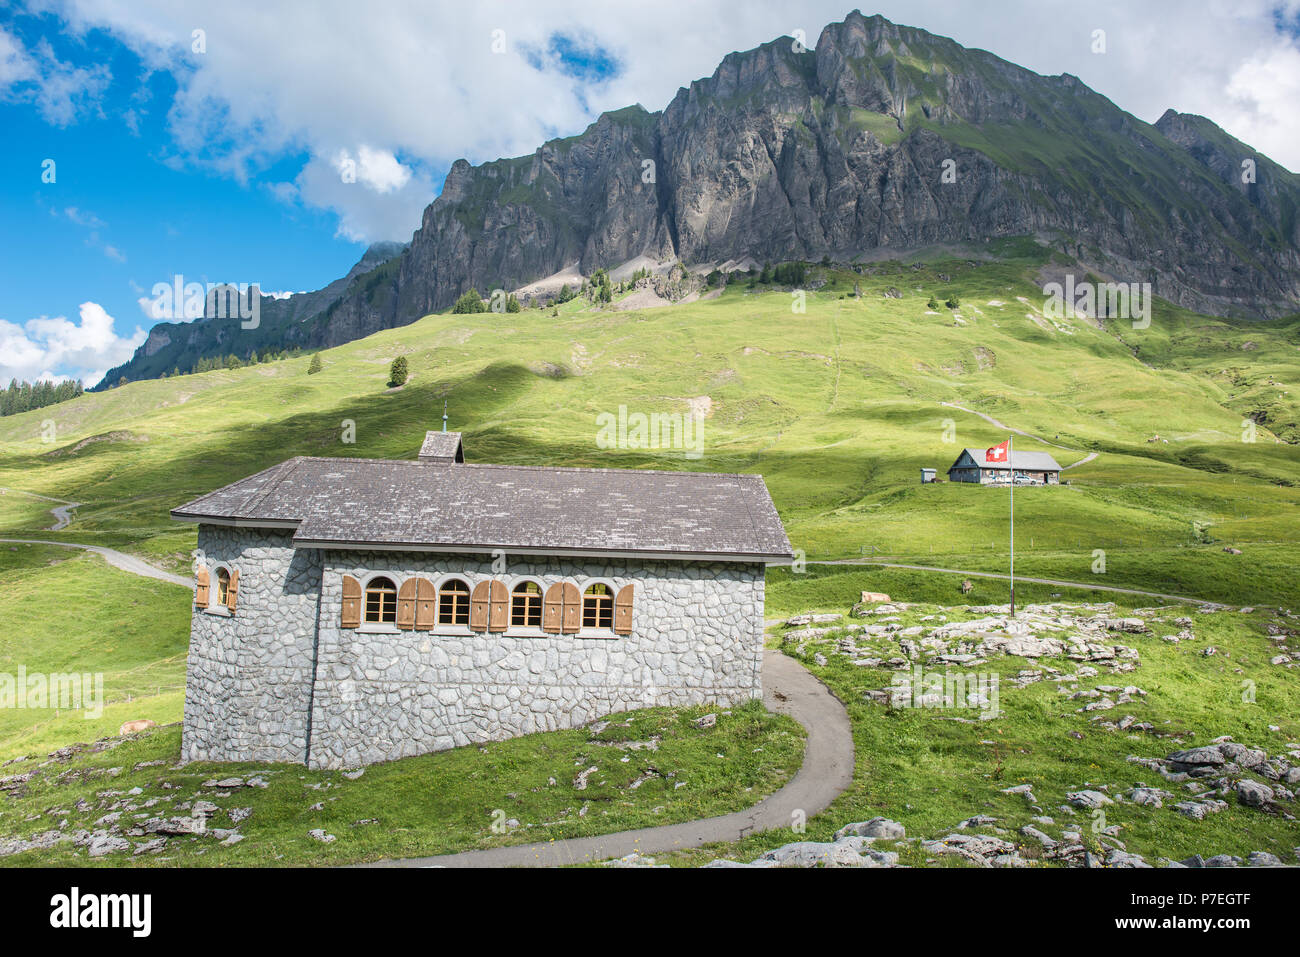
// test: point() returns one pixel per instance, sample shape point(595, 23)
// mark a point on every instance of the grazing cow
point(966, 586)
point(140, 724)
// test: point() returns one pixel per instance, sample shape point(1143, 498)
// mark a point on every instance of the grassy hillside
point(931, 768)
point(837, 407)
point(649, 767)
point(66, 612)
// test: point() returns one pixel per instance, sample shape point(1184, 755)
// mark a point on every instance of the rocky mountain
point(841, 150)
point(880, 139)
point(283, 323)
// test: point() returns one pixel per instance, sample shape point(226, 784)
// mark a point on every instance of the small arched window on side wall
point(526, 605)
point(453, 603)
point(223, 586)
point(598, 607)
point(381, 602)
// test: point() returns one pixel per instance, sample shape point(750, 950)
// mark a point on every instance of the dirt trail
point(61, 513)
point(1020, 578)
point(1029, 435)
point(127, 563)
point(788, 688)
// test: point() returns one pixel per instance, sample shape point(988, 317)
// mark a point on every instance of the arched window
point(453, 603)
point(526, 605)
point(223, 586)
point(598, 607)
point(381, 601)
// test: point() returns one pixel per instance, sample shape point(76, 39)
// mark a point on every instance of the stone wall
point(248, 675)
point(697, 637)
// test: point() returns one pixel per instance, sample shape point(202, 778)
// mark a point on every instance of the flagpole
point(1011, 466)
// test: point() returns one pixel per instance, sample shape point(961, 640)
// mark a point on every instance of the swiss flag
point(998, 453)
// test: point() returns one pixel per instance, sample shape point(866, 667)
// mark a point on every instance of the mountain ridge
point(841, 149)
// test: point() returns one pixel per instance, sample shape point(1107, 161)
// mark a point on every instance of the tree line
point(25, 396)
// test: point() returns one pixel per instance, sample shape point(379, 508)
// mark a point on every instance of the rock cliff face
point(881, 138)
point(283, 323)
point(842, 150)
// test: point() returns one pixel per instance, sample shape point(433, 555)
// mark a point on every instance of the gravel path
point(1019, 578)
point(1029, 435)
point(128, 563)
point(62, 512)
point(788, 688)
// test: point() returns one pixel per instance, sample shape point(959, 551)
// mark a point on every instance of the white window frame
point(583, 630)
point(451, 631)
point(378, 627)
point(213, 606)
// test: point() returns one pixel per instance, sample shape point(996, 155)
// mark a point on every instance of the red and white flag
point(998, 453)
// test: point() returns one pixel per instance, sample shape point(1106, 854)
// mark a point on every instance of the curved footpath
point(1165, 596)
point(127, 563)
point(788, 688)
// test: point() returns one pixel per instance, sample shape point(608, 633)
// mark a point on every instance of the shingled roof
point(1027, 461)
point(447, 506)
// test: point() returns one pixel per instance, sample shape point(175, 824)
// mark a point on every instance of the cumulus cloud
point(59, 348)
point(409, 87)
point(61, 91)
point(374, 195)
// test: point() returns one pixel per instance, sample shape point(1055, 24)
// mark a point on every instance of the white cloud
point(374, 195)
point(57, 348)
point(84, 218)
point(1265, 90)
point(62, 92)
point(421, 82)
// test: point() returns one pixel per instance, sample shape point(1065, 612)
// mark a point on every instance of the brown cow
point(140, 724)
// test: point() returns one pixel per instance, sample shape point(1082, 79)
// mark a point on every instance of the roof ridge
point(535, 468)
point(256, 498)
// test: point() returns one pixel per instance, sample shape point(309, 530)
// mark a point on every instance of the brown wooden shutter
point(406, 605)
point(426, 604)
point(351, 603)
point(202, 582)
point(553, 609)
point(499, 618)
point(623, 611)
point(232, 590)
point(572, 609)
point(479, 602)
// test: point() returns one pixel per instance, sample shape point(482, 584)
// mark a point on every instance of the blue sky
point(226, 163)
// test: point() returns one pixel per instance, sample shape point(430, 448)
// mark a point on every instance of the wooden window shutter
point(572, 609)
point(499, 618)
point(553, 609)
point(623, 611)
point(479, 602)
point(232, 590)
point(351, 603)
point(406, 604)
point(426, 604)
point(202, 581)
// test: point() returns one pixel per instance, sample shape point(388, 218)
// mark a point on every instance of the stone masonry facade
point(280, 680)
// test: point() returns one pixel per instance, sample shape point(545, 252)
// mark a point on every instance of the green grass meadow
point(1194, 422)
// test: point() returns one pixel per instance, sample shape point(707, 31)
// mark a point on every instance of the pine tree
point(397, 374)
point(315, 365)
point(469, 302)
